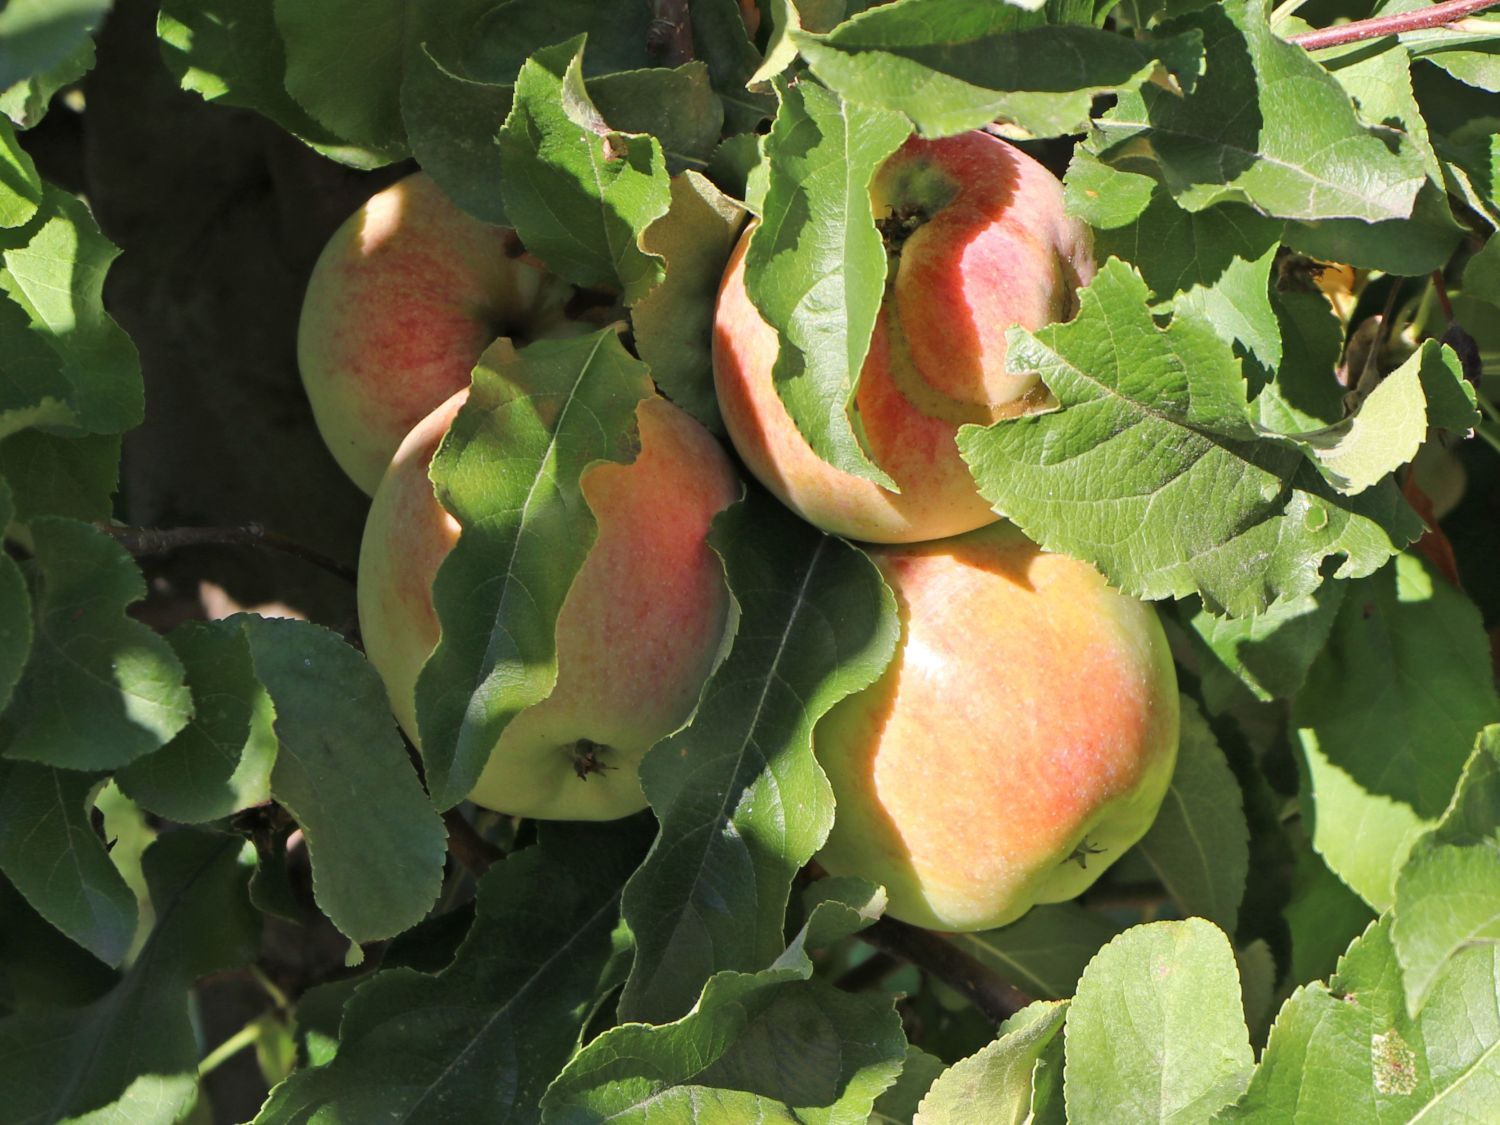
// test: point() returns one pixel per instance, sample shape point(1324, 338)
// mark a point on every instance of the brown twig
point(473, 852)
point(1440, 288)
point(669, 39)
point(1439, 15)
point(160, 541)
point(996, 998)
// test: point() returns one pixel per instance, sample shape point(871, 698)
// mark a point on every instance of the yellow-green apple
point(976, 241)
point(637, 634)
point(404, 298)
point(1022, 738)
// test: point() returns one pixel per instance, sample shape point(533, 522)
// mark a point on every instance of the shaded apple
point(977, 242)
point(1022, 738)
point(637, 635)
point(403, 299)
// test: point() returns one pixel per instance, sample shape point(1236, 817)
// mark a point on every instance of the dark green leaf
point(1154, 472)
point(39, 968)
point(51, 853)
point(579, 192)
point(1199, 845)
point(741, 799)
point(677, 107)
point(816, 266)
point(221, 761)
point(898, 1105)
point(1044, 952)
point(100, 689)
point(56, 475)
point(1271, 652)
point(27, 101)
point(1265, 126)
point(1387, 719)
point(139, 1036)
point(375, 841)
point(15, 609)
point(950, 65)
point(496, 1025)
point(38, 34)
point(1156, 1032)
point(548, 411)
point(720, 40)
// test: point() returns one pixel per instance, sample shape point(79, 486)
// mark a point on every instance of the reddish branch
point(160, 541)
point(1439, 15)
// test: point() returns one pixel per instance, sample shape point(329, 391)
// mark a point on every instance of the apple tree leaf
point(231, 51)
point(674, 322)
point(1388, 718)
point(375, 842)
point(1268, 654)
point(509, 471)
point(57, 474)
point(1156, 1032)
point(579, 192)
point(1470, 52)
point(26, 102)
point(499, 1022)
point(1448, 894)
point(1347, 1051)
point(1043, 952)
point(42, 967)
point(777, 1045)
point(675, 105)
point(1303, 392)
point(1154, 472)
point(68, 363)
point(1265, 125)
point(220, 763)
point(898, 1105)
point(15, 609)
point(740, 797)
point(99, 688)
point(136, 1047)
point(20, 186)
point(1199, 844)
point(51, 853)
point(816, 265)
point(38, 34)
point(995, 1085)
point(1426, 393)
point(950, 66)
point(1323, 916)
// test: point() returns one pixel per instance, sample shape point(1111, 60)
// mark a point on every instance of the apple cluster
point(1025, 732)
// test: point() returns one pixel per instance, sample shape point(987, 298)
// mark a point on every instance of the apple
point(403, 299)
point(637, 635)
point(1022, 738)
point(977, 241)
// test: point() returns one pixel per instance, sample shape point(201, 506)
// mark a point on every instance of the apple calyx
point(585, 754)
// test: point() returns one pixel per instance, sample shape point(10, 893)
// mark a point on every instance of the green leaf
point(1393, 420)
point(579, 192)
point(1471, 171)
point(51, 853)
point(139, 1037)
point(1044, 952)
point(511, 32)
point(344, 64)
point(1156, 1032)
point(720, 40)
point(1388, 718)
point(674, 322)
point(1303, 392)
point(39, 967)
point(1154, 472)
point(768, 1046)
point(1323, 917)
point(1346, 1051)
point(220, 763)
point(1265, 126)
point(20, 186)
point(1470, 51)
point(994, 1087)
point(73, 475)
point(816, 265)
point(99, 689)
point(950, 65)
point(898, 1105)
point(231, 51)
point(53, 269)
point(38, 34)
point(741, 799)
point(547, 413)
point(15, 608)
point(1271, 652)
point(788, 16)
point(375, 842)
point(1448, 894)
point(26, 102)
point(678, 107)
point(1199, 845)
point(499, 1022)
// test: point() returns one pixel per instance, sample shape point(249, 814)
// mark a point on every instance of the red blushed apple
point(1022, 738)
point(977, 242)
point(404, 298)
point(637, 635)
